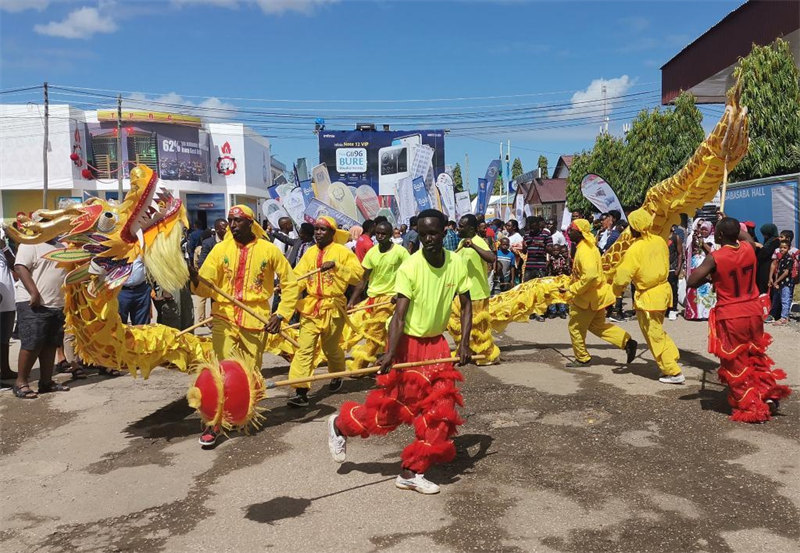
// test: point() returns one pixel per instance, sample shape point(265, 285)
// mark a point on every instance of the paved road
point(549, 460)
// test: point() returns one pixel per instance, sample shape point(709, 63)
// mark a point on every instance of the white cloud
point(300, 6)
point(270, 7)
point(590, 101)
point(81, 23)
point(212, 108)
point(22, 5)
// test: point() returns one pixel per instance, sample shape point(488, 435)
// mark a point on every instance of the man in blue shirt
point(451, 238)
point(134, 297)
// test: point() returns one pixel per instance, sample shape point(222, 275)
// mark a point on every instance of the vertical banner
point(406, 204)
point(595, 189)
point(492, 171)
point(519, 208)
point(463, 204)
point(341, 198)
point(295, 204)
point(421, 194)
point(321, 182)
point(446, 190)
point(301, 170)
point(308, 191)
point(566, 219)
point(273, 210)
point(483, 196)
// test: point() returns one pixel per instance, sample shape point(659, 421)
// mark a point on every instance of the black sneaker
point(299, 400)
point(773, 405)
point(577, 364)
point(630, 349)
point(335, 385)
point(208, 437)
point(616, 317)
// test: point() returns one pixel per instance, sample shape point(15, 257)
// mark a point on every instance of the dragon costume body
point(103, 239)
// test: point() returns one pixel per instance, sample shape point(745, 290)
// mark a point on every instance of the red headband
point(239, 213)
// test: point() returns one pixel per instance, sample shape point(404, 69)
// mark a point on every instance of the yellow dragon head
point(103, 239)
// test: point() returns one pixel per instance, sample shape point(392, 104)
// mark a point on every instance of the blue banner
point(308, 191)
point(421, 194)
point(494, 169)
point(483, 197)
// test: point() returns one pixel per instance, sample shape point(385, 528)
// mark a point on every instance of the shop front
point(205, 208)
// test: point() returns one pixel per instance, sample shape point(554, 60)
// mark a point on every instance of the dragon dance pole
point(366, 370)
point(242, 306)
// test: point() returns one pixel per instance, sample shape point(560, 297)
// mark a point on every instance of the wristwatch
point(280, 317)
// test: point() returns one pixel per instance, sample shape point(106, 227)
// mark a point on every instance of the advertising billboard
point(175, 152)
point(379, 159)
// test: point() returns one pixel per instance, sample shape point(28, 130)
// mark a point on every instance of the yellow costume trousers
point(372, 327)
point(328, 337)
point(583, 320)
point(661, 345)
point(228, 339)
point(481, 340)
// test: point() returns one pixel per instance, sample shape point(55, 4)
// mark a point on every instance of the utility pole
point(466, 173)
point(120, 163)
point(508, 179)
point(44, 146)
point(605, 112)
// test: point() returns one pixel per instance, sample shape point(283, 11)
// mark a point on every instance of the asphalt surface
point(598, 459)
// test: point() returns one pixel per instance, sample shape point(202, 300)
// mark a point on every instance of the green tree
point(516, 168)
point(580, 166)
point(771, 92)
point(458, 183)
point(542, 164)
point(658, 144)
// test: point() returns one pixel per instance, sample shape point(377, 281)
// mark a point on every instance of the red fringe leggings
point(741, 345)
point(425, 397)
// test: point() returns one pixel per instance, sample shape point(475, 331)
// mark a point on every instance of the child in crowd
point(397, 236)
point(505, 270)
point(782, 275)
point(559, 264)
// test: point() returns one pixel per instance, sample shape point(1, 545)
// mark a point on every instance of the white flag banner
point(406, 203)
point(321, 182)
point(295, 205)
point(463, 204)
point(566, 219)
point(273, 210)
point(423, 158)
point(519, 208)
point(447, 192)
point(595, 189)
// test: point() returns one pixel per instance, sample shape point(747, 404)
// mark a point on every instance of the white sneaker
point(674, 379)
point(418, 483)
point(673, 315)
point(336, 444)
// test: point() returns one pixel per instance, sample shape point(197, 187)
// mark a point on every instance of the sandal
point(52, 386)
point(110, 373)
point(24, 392)
point(64, 367)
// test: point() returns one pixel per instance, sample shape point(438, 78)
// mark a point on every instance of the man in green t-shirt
point(478, 257)
point(425, 396)
point(380, 268)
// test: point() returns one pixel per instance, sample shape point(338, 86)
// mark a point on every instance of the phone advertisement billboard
point(379, 159)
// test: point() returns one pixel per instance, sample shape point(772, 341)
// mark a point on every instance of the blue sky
point(352, 61)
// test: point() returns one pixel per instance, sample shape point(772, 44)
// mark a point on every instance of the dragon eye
point(107, 221)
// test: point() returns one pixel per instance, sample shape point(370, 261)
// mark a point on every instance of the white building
point(210, 166)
